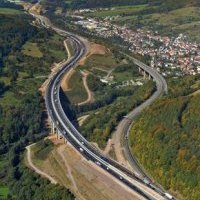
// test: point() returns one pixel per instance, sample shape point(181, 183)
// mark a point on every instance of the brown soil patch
point(65, 81)
point(84, 178)
point(82, 119)
point(97, 49)
point(94, 49)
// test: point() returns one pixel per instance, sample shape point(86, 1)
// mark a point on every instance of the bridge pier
point(53, 131)
point(144, 74)
point(60, 135)
point(56, 132)
point(149, 77)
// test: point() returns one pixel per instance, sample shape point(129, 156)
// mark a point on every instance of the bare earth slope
point(85, 179)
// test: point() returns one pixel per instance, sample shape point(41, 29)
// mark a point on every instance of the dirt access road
point(92, 49)
point(36, 169)
point(83, 178)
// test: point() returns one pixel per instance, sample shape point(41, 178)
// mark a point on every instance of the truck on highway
point(169, 196)
point(81, 149)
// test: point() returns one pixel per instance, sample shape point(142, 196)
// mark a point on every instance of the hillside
point(104, 3)
point(174, 4)
point(25, 59)
point(76, 4)
point(169, 4)
point(166, 141)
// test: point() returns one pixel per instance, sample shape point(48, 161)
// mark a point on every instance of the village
point(171, 56)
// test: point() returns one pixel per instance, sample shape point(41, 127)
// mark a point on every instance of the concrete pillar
point(149, 77)
point(52, 128)
point(144, 74)
point(57, 134)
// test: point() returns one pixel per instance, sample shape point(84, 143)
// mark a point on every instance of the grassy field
point(99, 66)
point(119, 10)
point(31, 49)
point(126, 72)
point(10, 11)
point(77, 93)
point(6, 80)
point(50, 50)
point(57, 48)
point(4, 191)
point(87, 178)
point(70, 46)
point(42, 149)
point(106, 62)
point(48, 161)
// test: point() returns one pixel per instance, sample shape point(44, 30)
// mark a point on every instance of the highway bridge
point(61, 125)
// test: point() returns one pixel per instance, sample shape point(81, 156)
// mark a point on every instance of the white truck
point(169, 196)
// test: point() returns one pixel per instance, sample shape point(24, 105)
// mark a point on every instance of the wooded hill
point(171, 4)
point(21, 106)
point(166, 139)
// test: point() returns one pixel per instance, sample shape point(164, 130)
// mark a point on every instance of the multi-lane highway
point(60, 120)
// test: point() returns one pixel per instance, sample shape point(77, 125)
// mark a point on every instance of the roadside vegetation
point(165, 139)
point(31, 49)
point(22, 119)
point(77, 92)
point(99, 126)
point(42, 149)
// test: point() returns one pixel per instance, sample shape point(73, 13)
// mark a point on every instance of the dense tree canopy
point(22, 115)
point(166, 140)
point(104, 3)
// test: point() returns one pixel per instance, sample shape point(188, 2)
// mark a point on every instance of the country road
point(36, 169)
point(60, 151)
point(90, 97)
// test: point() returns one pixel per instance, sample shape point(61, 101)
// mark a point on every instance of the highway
point(73, 136)
point(124, 126)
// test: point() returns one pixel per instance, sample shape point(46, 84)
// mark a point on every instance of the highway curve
point(125, 125)
point(65, 128)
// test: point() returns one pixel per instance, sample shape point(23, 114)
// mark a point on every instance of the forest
point(22, 115)
point(104, 3)
point(168, 4)
point(166, 139)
